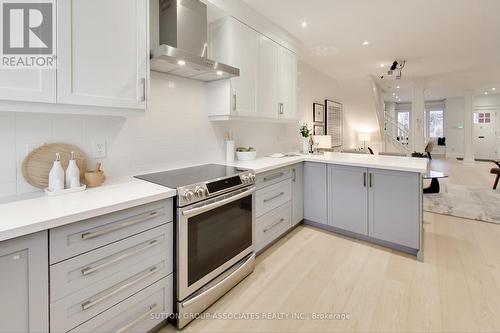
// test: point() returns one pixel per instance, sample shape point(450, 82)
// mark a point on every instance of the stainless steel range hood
point(184, 47)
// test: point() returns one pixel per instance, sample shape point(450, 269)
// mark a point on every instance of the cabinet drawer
point(270, 197)
point(271, 225)
point(86, 303)
point(77, 238)
point(123, 258)
point(272, 177)
point(139, 313)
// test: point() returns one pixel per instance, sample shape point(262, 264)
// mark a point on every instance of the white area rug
point(479, 204)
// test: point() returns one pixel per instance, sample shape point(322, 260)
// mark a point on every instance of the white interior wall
point(454, 119)
point(454, 130)
point(360, 113)
point(312, 87)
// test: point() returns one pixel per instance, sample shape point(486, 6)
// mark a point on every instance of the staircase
point(395, 133)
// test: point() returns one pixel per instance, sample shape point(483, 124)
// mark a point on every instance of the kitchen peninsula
point(370, 197)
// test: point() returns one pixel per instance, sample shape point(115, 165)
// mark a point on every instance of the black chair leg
point(496, 182)
point(434, 187)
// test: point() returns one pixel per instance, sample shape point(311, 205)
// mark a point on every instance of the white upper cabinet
point(267, 85)
point(278, 80)
point(287, 83)
point(269, 80)
point(237, 45)
point(103, 52)
point(28, 85)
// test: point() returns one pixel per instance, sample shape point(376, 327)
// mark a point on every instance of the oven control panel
point(201, 191)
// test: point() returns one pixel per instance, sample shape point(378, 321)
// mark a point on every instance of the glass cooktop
point(193, 175)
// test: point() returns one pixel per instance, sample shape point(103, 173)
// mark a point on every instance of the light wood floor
point(455, 289)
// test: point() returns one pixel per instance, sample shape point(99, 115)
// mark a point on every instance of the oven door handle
point(199, 210)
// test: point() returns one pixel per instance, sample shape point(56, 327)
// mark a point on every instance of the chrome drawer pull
point(275, 176)
point(90, 234)
point(274, 225)
point(275, 197)
point(116, 289)
point(136, 320)
point(93, 269)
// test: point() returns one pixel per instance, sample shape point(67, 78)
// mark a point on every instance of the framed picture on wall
point(318, 113)
point(334, 122)
point(319, 130)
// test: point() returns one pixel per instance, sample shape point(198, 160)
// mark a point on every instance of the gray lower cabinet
point(348, 198)
point(297, 193)
point(138, 313)
point(384, 205)
point(315, 192)
point(395, 210)
point(112, 272)
point(24, 286)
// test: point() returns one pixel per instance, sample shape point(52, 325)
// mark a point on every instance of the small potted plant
point(306, 137)
point(246, 154)
point(419, 154)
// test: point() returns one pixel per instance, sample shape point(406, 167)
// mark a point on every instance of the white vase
point(305, 145)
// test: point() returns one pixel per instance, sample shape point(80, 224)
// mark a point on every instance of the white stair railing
point(397, 133)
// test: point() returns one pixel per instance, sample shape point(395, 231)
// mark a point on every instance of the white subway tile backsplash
point(7, 149)
point(174, 132)
point(8, 189)
point(68, 129)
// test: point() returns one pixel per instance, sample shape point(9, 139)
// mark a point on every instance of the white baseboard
point(450, 155)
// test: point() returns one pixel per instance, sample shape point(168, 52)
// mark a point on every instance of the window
point(403, 119)
point(436, 123)
point(482, 118)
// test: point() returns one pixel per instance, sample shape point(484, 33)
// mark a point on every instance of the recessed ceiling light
point(486, 93)
point(494, 89)
point(398, 87)
point(399, 99)
point(393, 94)
point(181, 62)
point(304, 24)
point(365, 43)
point(219, 73)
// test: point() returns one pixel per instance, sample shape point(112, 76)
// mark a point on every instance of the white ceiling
point(442, 40)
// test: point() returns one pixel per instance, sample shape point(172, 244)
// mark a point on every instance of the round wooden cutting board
point(37, 165)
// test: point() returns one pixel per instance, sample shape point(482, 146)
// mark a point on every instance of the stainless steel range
point(214, 232)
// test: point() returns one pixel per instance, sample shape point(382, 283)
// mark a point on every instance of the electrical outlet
point(99, 149)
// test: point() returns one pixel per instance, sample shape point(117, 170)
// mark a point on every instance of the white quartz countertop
point(39, 212)
point(396, 163)
point(19, 218)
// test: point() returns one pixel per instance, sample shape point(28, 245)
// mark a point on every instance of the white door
point(268, 78)
point(287, 83)
point(484, 134)
point(103, 52)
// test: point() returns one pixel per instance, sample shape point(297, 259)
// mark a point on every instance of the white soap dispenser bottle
point(72, 173)
point(56, 175)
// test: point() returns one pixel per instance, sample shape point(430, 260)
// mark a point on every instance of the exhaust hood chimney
point(184, 43)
